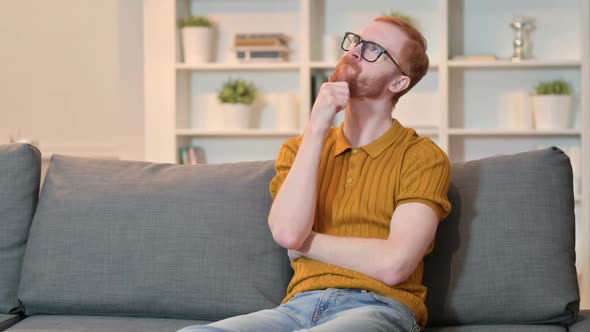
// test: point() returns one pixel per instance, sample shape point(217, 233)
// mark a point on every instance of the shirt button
point(349, 180)
point(355, 151)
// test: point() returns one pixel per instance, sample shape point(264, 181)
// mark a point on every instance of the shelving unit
point(462, 99)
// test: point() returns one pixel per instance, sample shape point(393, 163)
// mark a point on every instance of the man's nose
point(355, 51)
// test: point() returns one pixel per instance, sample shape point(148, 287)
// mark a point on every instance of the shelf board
point(332, 65)
point(510, 64)
point(237, 66)
point(513, 132)
point(426, 131)
point(237, 133)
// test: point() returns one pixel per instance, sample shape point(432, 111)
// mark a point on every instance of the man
point(357, 206)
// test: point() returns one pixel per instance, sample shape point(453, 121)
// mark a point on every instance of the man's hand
point(333, 98)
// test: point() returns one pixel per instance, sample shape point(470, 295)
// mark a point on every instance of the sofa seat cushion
point(498, 328)
point(129, 238)
point(506, 253)
point(20, 173)
point(7, 321)
point(583, 322)
point(58, 323)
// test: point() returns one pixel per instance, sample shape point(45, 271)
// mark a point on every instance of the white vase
point(552, 111)
point(236, 116)
point(197, 43)
point(515, 110)
point(286, 112)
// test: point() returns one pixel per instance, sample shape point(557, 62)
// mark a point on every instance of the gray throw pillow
point(20, 173)
point(130, 238)
point(506, 254)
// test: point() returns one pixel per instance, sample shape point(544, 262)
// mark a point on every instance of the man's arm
point(392, 261)
point(292, 213)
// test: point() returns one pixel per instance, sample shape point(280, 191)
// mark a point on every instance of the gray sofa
point(135, 246)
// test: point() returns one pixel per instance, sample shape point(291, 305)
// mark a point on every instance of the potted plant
point(552, 103)
point(197, 39)
point(401, 15)
point(236, 97)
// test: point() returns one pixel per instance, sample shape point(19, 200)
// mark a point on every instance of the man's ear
point(399, 84)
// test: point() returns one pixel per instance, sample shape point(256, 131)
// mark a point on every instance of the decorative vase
point(197, 44)
point(286, 112)
point(552, 111)
point(236, 116)
point(515, 110)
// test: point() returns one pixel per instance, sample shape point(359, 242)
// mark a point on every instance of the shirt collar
point(375, 148)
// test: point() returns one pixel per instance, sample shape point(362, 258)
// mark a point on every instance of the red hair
point(414, 60)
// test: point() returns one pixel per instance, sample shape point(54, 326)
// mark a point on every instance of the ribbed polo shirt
point(358, 190)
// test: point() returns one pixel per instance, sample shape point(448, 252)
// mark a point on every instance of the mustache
point(345, 62)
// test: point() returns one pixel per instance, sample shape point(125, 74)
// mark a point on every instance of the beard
point(347, 70)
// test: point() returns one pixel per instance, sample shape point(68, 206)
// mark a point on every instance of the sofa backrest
point(132, 238)
point(20, 172)
point(506, 253)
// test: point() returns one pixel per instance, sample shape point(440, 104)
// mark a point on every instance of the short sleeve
point(425, 178)
point(283, 164)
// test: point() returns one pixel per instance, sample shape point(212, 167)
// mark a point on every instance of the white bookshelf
point(236, 133)
point(510, 64)
point(461, 98)
point(237, 66)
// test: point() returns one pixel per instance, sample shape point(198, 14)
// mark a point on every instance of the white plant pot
point(236, 116)
point(286, 112)
point(552, 111)
point(197, 43)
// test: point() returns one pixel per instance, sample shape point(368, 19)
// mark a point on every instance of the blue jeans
point(330, 310)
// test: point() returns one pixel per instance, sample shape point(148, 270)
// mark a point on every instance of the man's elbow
point(286, 238)
point(396, 273)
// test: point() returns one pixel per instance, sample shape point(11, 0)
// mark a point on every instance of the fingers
point(336, 93)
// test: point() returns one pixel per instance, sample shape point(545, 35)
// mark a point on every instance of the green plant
point(401, 15)
point(195, 21)
point(556, 87)
point(237, 92)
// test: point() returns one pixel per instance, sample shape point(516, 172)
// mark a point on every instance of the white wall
point(72, 75)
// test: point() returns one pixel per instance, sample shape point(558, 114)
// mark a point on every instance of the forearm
point(293, 210)
point(375, 258)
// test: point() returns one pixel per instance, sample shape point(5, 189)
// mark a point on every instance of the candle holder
point(521, 43)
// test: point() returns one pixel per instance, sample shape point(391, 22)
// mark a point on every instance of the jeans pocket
point(406, 313)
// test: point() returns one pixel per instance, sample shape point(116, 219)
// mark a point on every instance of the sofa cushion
point(582, 324)
point(7, 321)
point(506, 253)
point(128, 238)
point(498, 328)
point(20, 172)
point(53, 323)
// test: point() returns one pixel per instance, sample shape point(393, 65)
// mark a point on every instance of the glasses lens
point(372, 51)
point(350, 40)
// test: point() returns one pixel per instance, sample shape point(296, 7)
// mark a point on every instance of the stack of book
point(261, 47)
point(192, 155)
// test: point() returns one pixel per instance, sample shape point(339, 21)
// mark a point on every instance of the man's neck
point(366, 120)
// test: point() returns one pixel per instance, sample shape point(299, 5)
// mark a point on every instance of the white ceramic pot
point(515, 110)
point(236, 116)
point(286, 112)
point(552, 111)
point(197, 43)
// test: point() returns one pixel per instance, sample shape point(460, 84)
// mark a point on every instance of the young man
point(357, 206)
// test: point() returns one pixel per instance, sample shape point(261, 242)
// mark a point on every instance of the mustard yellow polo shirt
point(358, 190)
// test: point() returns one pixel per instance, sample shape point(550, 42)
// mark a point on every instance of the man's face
point(371, 79)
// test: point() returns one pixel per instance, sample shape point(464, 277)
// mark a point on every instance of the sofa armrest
point(7, 321)
point(583, 322)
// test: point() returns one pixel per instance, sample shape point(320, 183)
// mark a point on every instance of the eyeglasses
point(370, 51)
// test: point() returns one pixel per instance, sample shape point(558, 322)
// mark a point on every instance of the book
point(475, 57)
point(192, 155)
point(261, 54)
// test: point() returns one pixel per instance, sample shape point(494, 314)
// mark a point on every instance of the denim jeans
point(331, 310)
